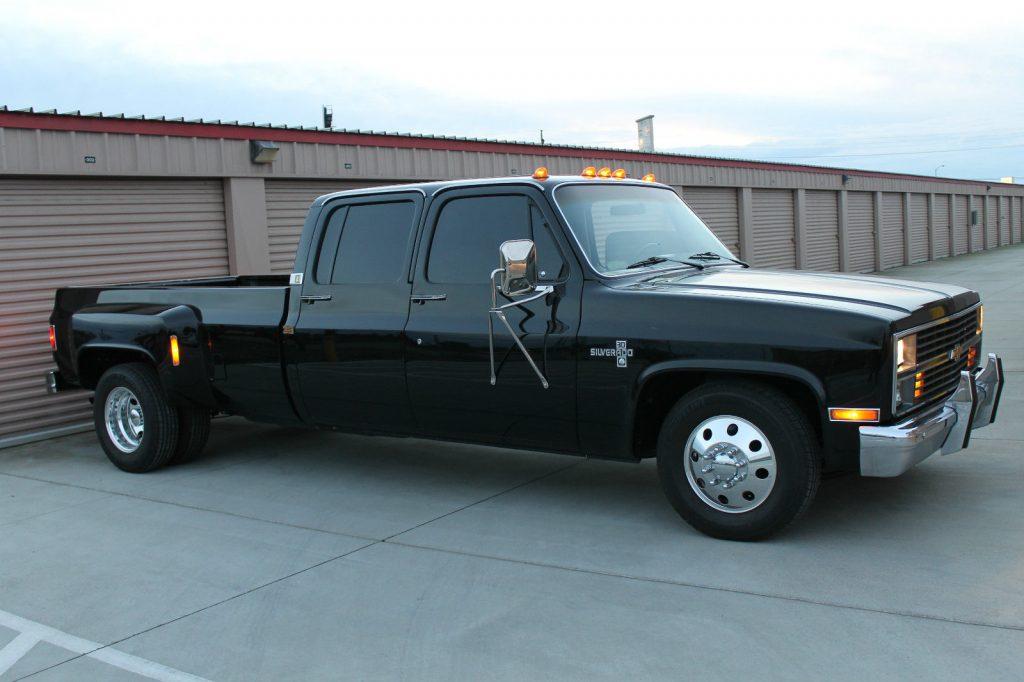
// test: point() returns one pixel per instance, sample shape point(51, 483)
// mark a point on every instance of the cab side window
point(366, 244)
point(469, 230)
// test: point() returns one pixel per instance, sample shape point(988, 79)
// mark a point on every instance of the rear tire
point(136, 426)
point(193, 432)
point(738, 460)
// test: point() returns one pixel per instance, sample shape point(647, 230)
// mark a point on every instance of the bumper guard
point(891, 450)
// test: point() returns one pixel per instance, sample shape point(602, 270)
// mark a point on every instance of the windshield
point(620, 226)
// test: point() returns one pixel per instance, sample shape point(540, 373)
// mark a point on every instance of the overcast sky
point(892, 85)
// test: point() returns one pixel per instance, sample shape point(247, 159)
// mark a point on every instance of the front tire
point(738, 460)
point(136, 426)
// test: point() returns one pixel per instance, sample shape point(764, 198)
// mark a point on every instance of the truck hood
point(894, 298)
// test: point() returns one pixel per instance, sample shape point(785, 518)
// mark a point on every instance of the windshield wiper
point(654, 260)
point(711, 255)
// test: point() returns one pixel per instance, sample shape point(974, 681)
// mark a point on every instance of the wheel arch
point(660, 386)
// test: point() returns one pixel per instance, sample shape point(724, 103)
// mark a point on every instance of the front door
point(447, 361)
point(348, 349)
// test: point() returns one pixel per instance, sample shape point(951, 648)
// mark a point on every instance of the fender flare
point(751, 367)
point(146, 331)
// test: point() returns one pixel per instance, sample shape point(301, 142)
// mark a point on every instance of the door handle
point(423, 298)
point(314, 299)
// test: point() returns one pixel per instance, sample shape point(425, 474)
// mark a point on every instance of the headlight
point(906, 353)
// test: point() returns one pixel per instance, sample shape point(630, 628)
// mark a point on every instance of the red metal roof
point(233, 130)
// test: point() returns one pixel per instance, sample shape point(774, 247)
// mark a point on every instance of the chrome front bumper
point(891, 450)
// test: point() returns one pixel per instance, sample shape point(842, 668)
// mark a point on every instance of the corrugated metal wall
point(287, 204)
point(941, 231)
point(773, 227)
point(960, 226)
point(892, 230)
point(59, 232)
point(718, 207)
point(822, 215)
point(861, 227)
point(918, 228)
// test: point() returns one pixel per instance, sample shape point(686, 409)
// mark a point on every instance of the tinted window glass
point(373, 245)
point(550, 265)
point(329, 246)
point(468, 233)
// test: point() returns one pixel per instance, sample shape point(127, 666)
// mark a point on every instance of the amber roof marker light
point(619, 174)
point(541, 173)
point(589, 172)
point(605, 172)
point(649, 178)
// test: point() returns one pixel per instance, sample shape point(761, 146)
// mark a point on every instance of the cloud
point(784, 78)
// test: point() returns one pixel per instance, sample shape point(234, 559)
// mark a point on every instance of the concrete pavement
point(288, 554)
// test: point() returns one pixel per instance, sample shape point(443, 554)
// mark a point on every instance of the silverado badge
point(621, 352)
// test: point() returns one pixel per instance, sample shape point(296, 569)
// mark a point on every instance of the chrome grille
point(938, 365)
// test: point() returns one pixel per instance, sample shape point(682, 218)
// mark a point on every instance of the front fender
point(142, 331)
point(751, 367)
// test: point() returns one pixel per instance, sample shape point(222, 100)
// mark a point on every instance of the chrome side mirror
point(518, 263)
point(518, 273)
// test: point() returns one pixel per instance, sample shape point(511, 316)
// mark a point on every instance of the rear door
point(448, 361)
point(347, 348)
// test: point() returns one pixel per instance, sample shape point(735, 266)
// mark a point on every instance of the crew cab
point(589, 315)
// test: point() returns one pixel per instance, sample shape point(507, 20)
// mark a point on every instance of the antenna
point(328, 116)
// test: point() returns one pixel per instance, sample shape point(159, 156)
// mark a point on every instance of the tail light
point(53, 339)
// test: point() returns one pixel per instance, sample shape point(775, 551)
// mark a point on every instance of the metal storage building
point(104, 199)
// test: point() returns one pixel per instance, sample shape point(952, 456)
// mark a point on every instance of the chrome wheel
point(124, 419)
point(730, 464)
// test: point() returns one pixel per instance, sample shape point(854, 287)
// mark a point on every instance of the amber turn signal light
point(619, 174)
point(175, 352)
point(853, 414)
point(53, 338)
point(605, 172)
point(589, 172)
point(649, 178)
point(541, 173)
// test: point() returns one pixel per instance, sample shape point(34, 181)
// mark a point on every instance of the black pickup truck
point(591, 315)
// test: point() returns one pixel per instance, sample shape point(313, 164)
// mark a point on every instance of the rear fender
point(107, 334)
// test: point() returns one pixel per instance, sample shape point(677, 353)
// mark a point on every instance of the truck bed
point(241, 317)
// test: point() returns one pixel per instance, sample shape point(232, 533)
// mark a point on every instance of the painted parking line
point(31, 633)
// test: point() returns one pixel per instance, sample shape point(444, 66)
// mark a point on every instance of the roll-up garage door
point(991, 205)
point(918, 228)
point(717, 207)
point(892, 230)
point(1018, 219)
point(287, 204)
point(1004, 220)
point(860, 209)
point(960, 225)
point(822, 215)
point(941, 231)
point(56, 232)
point(774, 232)
point(977, 242)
